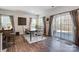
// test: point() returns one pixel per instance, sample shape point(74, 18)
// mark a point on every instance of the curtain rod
point(64, 12)
point(6, 15)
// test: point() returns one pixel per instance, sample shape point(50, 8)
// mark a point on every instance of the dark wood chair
point(9, 38)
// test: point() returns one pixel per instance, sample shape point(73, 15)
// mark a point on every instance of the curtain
point(63, 27)
point(30, 23)
point(0, 23)
point(50, 23)
point(12, 22)
point(44, 25)
point(74, 16)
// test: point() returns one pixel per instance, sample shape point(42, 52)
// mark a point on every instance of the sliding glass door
point(63, 27)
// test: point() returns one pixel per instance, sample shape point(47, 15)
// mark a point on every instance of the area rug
point(34, 39)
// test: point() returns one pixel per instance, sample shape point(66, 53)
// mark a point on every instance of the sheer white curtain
point(33, 23)
point(63, 22)
point(41, 25)
point(6, 22)
point(40, 22)
point(63, 26)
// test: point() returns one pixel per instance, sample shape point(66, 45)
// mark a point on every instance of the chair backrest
point(7, 33)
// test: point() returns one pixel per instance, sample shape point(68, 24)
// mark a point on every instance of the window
point(33, 23)
point(63, 26)
point(40, 23)
point(6, 22)
point(37, 24)
point(63, 22)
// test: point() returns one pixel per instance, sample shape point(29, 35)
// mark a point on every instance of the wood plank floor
point(24, 46)
point(49, 45)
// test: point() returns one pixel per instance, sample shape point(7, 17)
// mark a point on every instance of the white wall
point(19, 28)
point(17, 14)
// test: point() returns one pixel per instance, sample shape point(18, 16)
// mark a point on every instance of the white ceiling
point(36, 10)
point(39, 10)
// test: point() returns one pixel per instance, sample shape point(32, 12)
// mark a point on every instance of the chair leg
point(14, 41)
point(6, 42)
